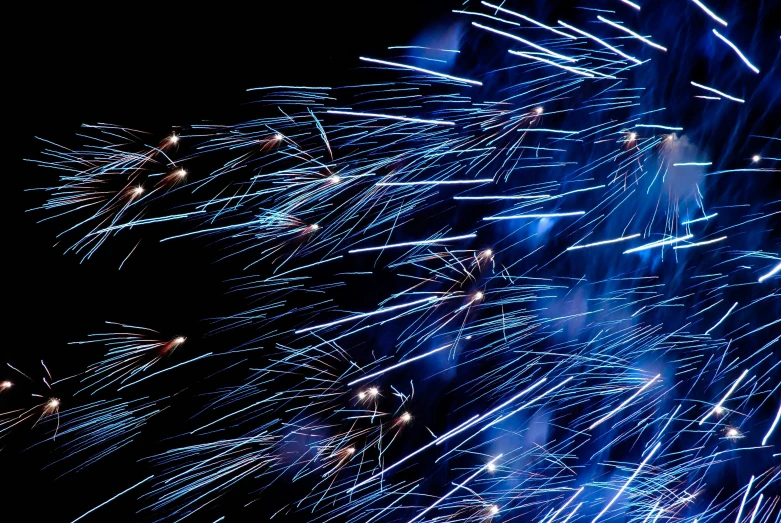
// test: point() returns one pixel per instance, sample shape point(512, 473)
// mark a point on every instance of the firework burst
point(521, 289)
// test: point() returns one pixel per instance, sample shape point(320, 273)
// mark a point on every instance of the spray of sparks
point(560, 337)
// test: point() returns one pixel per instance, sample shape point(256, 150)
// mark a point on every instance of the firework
point(475, 295)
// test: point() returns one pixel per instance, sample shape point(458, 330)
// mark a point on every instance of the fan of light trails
point(519, 294)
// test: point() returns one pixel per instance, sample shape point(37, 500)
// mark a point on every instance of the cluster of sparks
point(559, 340)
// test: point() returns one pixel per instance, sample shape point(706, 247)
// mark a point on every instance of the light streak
point(442, 182)
point(544, 130)
point(565, 505)
point(722, 319)
point(665, 127)
point(735, 48)
point(452, 432)
point(499, 197)
point(756, 508)
point(295, 87)
point(600, 41)
point(164, 370)
point(391, 117)
point(530, 20)
point(525, 42)
point(573, 512)
point(604, 242)
point(718, 406)
point(477, 419)
point(772, 427)
point(413, 244)
point(743, 501)
point(367, 314)
point(710, 13)
point(534, 215)
point(112, 499)
point(549, 62)
point(401, 364)
point(659, 244)
point(623, 404)
point(707, 242)
point(711, 89)
point(625, 485)
point(522, 407)
point(703, 219)
point(461, 485)
point(420, 70)
point(629, 31)
point(772, 272)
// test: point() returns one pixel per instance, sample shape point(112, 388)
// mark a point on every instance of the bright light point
point(179, 340)
point(6, 385)
point(54, 403)
point(173, 138)
point(406, 417)
point(315, 226)
point(181, 172)
point(733, 433)
point(491, 467)
point(335, 179)
point(756, 158)
point(632, 136)
point(538, 110)
point(488, 252)
point(278, 137)
point(718, 410)
point(361, 395)
point(138, 190)
point(351, 450)
point(494, 509)
point(374, 391)
point(478, 295)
